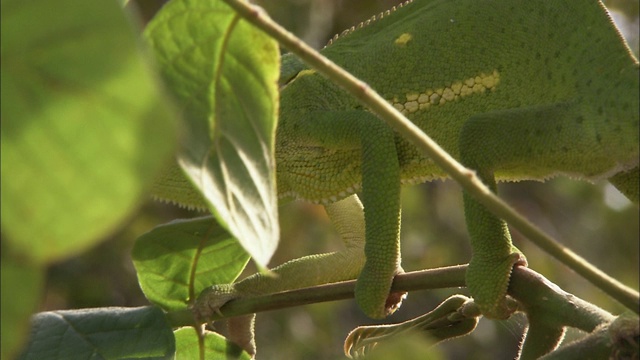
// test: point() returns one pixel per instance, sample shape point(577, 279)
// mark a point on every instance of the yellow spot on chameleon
point(403, 39)
point(415, 101)
point(456, 87)
point(411, 106)
point(448, 94)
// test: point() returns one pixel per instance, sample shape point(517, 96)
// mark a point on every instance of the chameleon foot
point(211, 300)
point(488, 285)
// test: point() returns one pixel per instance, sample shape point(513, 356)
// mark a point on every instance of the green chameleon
point(514, 89)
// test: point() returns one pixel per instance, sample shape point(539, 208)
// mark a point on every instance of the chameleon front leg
point(344, 149)
point(381, 198)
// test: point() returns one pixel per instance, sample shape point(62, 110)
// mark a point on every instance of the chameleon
point(513, 89)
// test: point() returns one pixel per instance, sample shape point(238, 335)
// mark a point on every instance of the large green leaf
point(102, 333)
point(84, 125)
point(184, 254)
point(224, 73)
point(216, 347)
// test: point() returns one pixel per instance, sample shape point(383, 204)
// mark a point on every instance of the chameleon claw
point(394, 301)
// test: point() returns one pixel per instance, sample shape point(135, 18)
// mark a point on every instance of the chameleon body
point(514, 89)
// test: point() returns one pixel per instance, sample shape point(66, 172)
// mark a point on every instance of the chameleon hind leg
point(536, 140)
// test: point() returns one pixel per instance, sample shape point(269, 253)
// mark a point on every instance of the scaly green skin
point(515, 89)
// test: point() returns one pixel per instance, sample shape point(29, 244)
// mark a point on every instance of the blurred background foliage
point(592, 219)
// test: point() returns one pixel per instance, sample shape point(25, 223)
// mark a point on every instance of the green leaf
point(195, 253)
point(102, 333)
point(84, 125)
point(216, 347)
point(21, 288)
point(224, 72)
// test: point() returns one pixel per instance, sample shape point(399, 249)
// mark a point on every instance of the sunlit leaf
point(224, 73)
